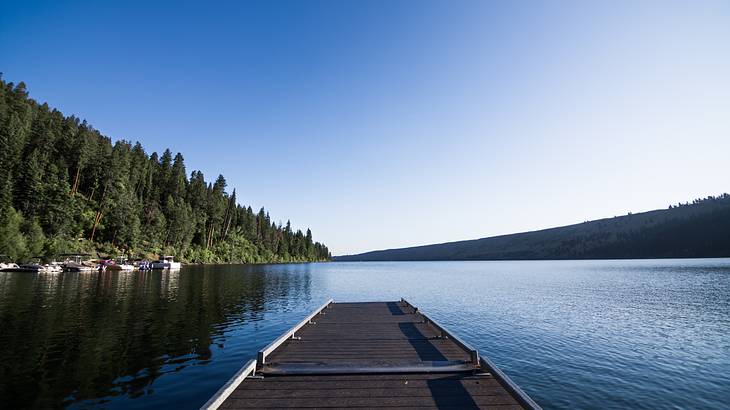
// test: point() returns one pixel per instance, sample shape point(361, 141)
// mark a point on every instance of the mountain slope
point(700, 229)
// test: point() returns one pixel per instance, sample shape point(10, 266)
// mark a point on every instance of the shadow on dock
point(420, 342)
point(395, 309)
point(451, 396)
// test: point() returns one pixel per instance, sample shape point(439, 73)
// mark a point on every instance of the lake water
point(573, 334)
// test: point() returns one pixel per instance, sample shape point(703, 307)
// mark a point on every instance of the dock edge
point(252, 365)
point(222, 394)
point(261, 357)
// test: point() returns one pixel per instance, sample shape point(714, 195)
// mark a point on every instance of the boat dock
point(369, 355)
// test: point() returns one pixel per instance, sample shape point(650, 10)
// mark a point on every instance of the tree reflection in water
point(93, 337)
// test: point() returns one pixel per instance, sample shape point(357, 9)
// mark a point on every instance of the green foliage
point(35, 239)
point(12, 240)
point(67, 188)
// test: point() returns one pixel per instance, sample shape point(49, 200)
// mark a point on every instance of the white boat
point(167, 262)
point(119, 265)
point(52, 268)
point(33, 268)
point(126, 267)
point(8, 266)
point(41, 267)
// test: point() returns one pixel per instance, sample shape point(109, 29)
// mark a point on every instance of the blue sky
point(393, 123)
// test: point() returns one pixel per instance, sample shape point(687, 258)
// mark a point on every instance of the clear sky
point(384, 124)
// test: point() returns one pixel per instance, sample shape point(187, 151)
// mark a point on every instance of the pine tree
point(12, 240)
point(35, 239)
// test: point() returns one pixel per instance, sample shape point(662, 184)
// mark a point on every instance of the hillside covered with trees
point(690, 230)
point(64, 187)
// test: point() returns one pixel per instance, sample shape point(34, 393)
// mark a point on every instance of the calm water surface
point(573, 334)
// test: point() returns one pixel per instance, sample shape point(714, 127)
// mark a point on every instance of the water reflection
point(89, 337)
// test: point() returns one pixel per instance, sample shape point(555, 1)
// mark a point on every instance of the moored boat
point(53, 267)
point(35, 268)
point(8, 267)
point(120, 264)
point(75, 263)
point(31, 267)
point(28, 267)
point(167, 262)
point(5, 265)
point(77, 267)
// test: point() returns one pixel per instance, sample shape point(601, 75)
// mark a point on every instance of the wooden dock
point(369, 355)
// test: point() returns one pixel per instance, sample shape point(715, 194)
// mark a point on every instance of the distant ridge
point(691, 230)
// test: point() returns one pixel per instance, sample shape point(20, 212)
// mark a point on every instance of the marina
point(369, 355)
point(82, 263)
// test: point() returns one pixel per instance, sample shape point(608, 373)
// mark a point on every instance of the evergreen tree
point(12, 240)
point(56, 205)
point(35, 239)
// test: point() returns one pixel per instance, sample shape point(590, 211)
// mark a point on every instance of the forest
point(66, 188)
point(700, 229)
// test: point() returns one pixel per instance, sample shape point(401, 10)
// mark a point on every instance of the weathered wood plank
point(440, 377)
point(440, 407)
point(354, 384)
point(464, 401)
point(401, 391)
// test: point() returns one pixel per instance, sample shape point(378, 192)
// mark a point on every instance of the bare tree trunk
point(76, 181)
point(98, 213)
point(210, 237)
point(96, 222)
point(225, 231)
point(167, 234)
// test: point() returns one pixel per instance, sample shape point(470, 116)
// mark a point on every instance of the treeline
point(65, 188)
point(710, 198)
point(700, 229)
